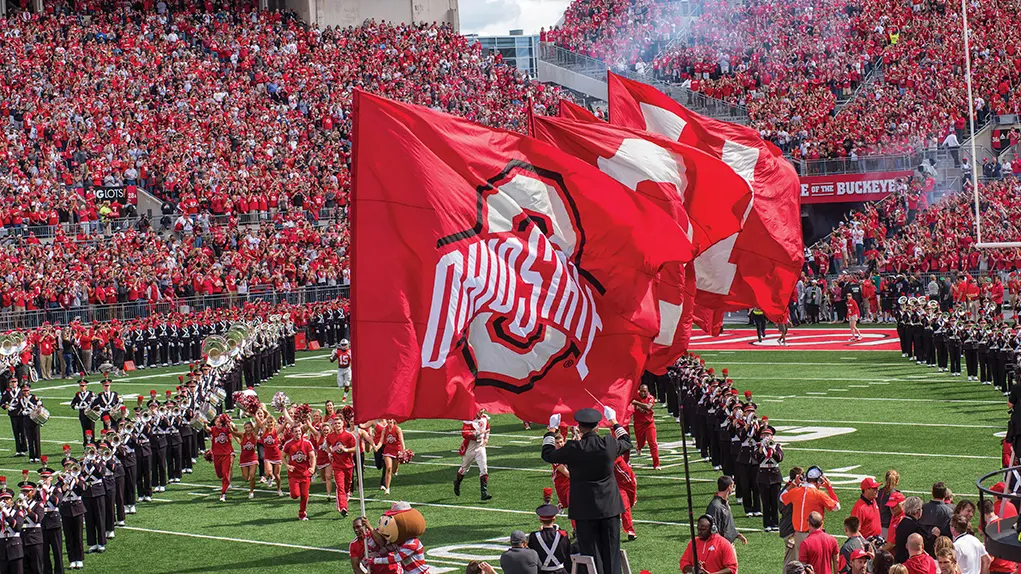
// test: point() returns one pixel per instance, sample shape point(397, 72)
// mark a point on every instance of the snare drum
point(93, 414)
point(39, 415)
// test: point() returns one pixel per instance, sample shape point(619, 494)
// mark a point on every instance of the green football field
point(852, 413)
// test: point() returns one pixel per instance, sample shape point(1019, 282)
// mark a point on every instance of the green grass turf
point(927, 426)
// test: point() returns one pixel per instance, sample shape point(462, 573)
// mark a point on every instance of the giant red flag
point(573, 111)
point(758, 266)
point(492, 270)
point(704, 195)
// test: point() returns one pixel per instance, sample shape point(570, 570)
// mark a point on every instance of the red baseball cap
point(868, 483)
point(860, 553)
point(895, 499)
point(999, 487)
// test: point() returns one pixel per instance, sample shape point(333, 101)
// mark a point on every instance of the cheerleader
point(317, 436)
point(221, 434)
point(393, 444)
point(250, 457)
point(341, 446)
point(269, 438)
point(561, 477)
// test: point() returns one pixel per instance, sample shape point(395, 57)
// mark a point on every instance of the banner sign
point(850, 187)
point(127, 194)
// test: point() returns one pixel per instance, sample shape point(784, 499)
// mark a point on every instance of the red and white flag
point(758, 266)
point(492, 270)
point(703, 195)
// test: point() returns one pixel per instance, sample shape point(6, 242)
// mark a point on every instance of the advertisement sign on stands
point(850, 187)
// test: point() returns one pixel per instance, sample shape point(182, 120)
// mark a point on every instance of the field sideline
point(854, 413)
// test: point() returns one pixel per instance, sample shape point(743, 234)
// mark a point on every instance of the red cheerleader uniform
point(271, 447)
point(562, 484)
point(223, 455)
point(249, 450)
point(343, 464)
point(391, 442)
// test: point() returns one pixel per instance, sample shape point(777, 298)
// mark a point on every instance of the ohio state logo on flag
point(512, 285)
point(495, 271)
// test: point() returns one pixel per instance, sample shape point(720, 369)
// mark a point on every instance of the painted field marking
point(839, 390)
point(842, 451)
point(889, 399)
point(898, 423)
point(814, 393)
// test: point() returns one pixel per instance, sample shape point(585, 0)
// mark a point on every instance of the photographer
point(807, 498)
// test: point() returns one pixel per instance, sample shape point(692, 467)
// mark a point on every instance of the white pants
point(476, 452)
point(344, 379)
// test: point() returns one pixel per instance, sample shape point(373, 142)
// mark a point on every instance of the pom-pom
point(208, 455)
point(280, 401)
point(405, 455)
point(302, 413)
point(247, 402)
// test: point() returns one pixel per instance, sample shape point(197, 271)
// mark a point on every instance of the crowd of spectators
point(216, 107)
point(40, 280)
point(792, 63)
point(620, 32)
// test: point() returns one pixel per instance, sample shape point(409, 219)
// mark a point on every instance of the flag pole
point(687, 477)
point(358, 468)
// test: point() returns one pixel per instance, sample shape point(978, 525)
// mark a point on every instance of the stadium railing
point(12, 319)
point(597, 69)
point(105, 228)
point(871, 163)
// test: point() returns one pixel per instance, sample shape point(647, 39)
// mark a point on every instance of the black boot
point(484, 482)
point(457, 484)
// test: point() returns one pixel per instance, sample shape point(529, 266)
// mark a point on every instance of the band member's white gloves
point(609, 413)
point(554, 421)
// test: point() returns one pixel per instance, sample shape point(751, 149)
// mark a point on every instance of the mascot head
point(400, 524)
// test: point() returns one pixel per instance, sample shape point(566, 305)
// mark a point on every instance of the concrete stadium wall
point(324, 13)
point(548, 72)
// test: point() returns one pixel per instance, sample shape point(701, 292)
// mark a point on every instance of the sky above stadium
point(492, 17)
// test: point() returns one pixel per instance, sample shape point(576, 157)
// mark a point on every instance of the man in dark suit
point(910, 525)
point(596, 505)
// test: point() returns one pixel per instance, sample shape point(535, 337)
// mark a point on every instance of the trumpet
point(106, 454)
point(146, 417)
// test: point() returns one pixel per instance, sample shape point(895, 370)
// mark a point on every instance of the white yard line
point(873, 452)
point(886, 399)
point(906, 424)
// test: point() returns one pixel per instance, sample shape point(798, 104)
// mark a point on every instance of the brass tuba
point(216, 351)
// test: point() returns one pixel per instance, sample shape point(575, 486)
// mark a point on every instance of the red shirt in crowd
point(921, 564)
point(867, 512)
point(715, 554)
point(819, 549)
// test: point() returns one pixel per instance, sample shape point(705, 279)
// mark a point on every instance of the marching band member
point(32, 528)
point(249, 456)
point(26, 402)
point(300, 459)
point(126, 482)
point(342, 356)
point(157, 428)
point(645, 424)
point(175, 443)
point(139, 441)
point(550, 542)
point(95, 501)
point(221, 434)
point(12, 518)
point(474, 437)
point(72, 509)
point(50, 496)
point(106, 402)
point(769, 455)
point(9, 401)
point(81, 402)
